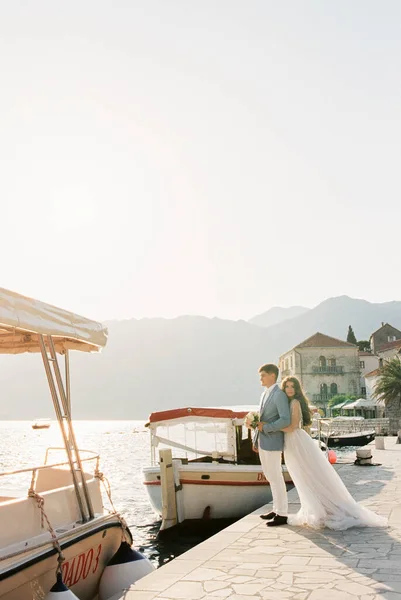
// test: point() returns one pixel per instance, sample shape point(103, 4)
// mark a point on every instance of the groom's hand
point(260, 426)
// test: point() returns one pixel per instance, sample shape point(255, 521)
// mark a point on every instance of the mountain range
point(155, 364)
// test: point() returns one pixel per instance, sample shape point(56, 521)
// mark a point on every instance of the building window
point(291, 361)
point(361, 364)
point(286, 364)
point(333, 389)
point(322, 362)
point(363, 391)
point(323, 391)
point(391, 338)
point(332, 362)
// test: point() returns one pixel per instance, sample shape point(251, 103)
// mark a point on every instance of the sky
point(177, 157)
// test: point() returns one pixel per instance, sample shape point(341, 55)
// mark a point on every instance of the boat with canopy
point(58, 524)
point(216, 473)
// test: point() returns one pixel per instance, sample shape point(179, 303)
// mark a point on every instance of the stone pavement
point(249, 560)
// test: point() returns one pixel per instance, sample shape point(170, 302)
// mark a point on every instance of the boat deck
point(249, 560)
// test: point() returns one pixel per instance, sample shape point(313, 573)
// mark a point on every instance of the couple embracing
point(325, 501)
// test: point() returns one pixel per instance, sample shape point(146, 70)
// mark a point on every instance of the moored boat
point(342, 431)
point(58, 523)
point(351, 439)
point(41, 424)
point(216, 473)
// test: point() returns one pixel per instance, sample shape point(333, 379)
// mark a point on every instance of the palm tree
point(388, 387)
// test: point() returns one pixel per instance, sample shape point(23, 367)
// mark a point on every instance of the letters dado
point(81, 565)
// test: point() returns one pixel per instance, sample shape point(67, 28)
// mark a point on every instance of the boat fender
point(332, 456)
point(123, 569)
point(60, 591)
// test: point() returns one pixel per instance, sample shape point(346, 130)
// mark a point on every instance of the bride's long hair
point(300, 396)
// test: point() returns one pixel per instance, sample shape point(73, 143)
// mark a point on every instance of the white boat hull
point(87, 549)
point(213, 491)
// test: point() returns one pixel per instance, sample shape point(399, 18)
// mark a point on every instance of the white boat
point(58, 523)
point(216, 473)
point(41, 424)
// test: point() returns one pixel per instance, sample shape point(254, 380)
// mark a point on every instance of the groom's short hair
point(269, 368)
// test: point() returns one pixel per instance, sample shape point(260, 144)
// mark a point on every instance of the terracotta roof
point(372, 373)
point(320, 340)
point(389, 345)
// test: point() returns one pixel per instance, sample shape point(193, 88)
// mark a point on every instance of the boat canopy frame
point(28, 325)
point(194, 421)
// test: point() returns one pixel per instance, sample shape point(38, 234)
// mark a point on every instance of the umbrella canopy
point(361, 403)
point(341, 405)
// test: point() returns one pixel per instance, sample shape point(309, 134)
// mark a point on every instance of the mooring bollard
point(379, 442)
point(363, 456)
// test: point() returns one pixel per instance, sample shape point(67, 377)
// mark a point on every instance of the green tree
point(340, 398)
point(363, 345)
point(388, 389)
point(351, 335)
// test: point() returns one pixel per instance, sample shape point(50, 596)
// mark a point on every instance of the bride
point(325, 501)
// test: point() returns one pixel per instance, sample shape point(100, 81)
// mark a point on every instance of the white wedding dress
point(325, 501)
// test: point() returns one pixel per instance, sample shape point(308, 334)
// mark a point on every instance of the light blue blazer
point(274, 411)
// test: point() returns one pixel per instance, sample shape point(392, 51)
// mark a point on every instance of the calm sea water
point(124, 448)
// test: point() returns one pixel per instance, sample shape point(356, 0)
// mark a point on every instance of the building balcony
point(336, 370)
point(322, 398)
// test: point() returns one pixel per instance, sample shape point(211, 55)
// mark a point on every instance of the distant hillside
point(153, 364)
point(148, 364)
point(333, 317)
point(277, 315)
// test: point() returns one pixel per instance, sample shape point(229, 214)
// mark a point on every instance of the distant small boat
point(41, 424)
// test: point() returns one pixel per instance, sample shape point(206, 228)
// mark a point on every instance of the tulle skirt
point(325, 501)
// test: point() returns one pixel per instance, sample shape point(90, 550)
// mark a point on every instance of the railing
point(323, 398)
point(34, 470)
point(339, 370)
point(338, 426)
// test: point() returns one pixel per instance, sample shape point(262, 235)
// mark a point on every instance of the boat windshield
point(193, 437)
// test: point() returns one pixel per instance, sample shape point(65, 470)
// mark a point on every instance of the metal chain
point(43, 516)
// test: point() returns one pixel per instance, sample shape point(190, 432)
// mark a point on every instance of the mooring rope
point(43, 516)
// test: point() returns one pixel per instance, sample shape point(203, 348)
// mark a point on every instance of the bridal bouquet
point(252, 420)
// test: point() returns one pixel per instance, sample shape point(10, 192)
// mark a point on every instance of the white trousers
point(271, 465)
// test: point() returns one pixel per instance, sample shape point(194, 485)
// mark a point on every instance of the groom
point(274, 414)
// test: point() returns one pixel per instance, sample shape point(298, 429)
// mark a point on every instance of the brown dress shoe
point(278, 520)
point(268, 516)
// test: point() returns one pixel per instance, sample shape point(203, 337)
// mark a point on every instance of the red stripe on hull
point(235, 483)
point(206, 482)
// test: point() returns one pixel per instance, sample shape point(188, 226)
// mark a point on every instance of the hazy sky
point(215, 157)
